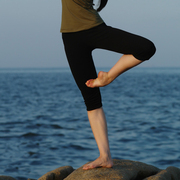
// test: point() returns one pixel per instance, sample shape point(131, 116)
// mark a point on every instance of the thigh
point(120, 41)
point(79, 56)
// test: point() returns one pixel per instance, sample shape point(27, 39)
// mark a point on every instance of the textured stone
point(122, 170)
point(6, 178)
point(57, 174)
point(162, 175)
point(175, 172)
point(171, 173)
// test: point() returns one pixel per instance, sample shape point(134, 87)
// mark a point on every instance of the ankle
point(110, 77)
point(106, 156)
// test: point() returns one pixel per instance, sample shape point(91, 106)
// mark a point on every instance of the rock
point(175, 172)
point(171, 173)
point(122, 170)
point(162, 175)
point(57, 174)
point(6, 178)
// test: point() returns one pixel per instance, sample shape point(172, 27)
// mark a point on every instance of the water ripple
point(44, 124)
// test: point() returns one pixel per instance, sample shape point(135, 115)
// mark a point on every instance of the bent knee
point(150, 51)
point(146, 51)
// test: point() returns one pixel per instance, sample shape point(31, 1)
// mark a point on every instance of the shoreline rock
point(6, 178)
point(122, 170)
point(57, 174)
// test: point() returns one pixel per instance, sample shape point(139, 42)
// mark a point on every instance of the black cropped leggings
point(79, 46)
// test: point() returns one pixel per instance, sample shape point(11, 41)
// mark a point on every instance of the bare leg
point(104, 78)
point(99, 127)
point(97, 118)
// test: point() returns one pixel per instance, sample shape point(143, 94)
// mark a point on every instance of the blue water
point(43, 121)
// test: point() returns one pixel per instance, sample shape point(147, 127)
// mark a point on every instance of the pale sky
point(30, 31)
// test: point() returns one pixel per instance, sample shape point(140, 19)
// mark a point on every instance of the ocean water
point(44, 125)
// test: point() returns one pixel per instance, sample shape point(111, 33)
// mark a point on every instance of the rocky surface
point(171, 173)
point(126, 170)
point(6, 178)
point(57, 174)
point(122, 170)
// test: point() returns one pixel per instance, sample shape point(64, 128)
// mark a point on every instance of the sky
point(30, 32)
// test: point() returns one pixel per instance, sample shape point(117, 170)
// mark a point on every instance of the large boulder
point(57, 174)
point(171, 173)
point(126, 170)
point(6, 178)
point(122, 170)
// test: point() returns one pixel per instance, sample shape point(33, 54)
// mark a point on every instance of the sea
point(44, 124)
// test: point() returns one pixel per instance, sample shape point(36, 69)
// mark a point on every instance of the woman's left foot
point(100, 81)
point(99, 162)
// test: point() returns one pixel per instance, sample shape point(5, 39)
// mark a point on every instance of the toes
point(86, 167)
point(89, 83)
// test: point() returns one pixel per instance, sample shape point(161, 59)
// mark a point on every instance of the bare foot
point(100, 81)
point(99, 162)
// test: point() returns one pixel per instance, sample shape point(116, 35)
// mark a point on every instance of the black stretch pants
point(79, 47)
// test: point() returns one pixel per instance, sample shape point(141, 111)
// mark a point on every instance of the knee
point(146, 50)
point(150, 50)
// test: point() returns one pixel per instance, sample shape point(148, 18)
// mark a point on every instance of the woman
point(83, 30)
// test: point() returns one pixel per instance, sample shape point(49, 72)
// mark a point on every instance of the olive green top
point(78, 15)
